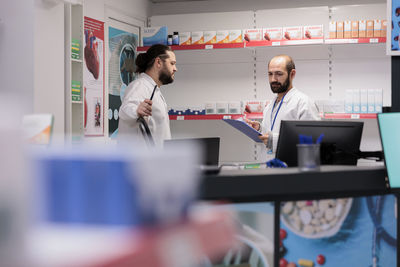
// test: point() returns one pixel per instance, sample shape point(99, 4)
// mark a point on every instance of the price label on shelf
point(180, 118)
point(209, 47)
point(276, 43)
point(374, 40)
point(227, 117)
point(355, 116)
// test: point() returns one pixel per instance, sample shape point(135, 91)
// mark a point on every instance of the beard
point(164, 77)
point(278, 88)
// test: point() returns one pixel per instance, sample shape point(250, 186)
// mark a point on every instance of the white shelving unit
point(324, 70)
point(74, 116)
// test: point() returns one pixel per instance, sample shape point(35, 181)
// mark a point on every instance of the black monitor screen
point(210, 147)
point(340, 144)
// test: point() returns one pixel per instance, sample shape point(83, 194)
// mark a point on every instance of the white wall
point(49, 62)
point(240, 5)
point(16, 50)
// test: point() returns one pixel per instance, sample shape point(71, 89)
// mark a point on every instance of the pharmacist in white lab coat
point(290, 103)
point(156, 67)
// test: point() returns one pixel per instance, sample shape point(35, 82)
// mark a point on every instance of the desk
point(276, 185)
point(290, 184)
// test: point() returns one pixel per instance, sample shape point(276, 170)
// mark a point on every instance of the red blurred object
point(283, 263)
point(320, 259)
point(282, 234)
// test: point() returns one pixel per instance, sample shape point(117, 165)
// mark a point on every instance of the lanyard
point(276, 114)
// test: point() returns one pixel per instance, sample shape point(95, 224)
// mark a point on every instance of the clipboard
point(245, 129)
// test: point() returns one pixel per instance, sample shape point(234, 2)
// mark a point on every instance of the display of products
point(75, 49)
point(76, 90)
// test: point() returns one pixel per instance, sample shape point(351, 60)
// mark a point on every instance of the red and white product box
point(313, 32)
point(362, 28)
point(384, 26)
point(339, 29)
point(293, 33)
point(252, 35)
point(354, 29)
point(254, 106)
point(332, 29)
point(273, 34)
point(377, 27)
point(347, 29)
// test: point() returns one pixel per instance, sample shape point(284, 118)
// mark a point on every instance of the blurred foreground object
point(122, 206)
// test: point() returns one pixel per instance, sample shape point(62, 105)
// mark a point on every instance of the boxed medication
point(356, 101)
point(155, 35)
point(252, 35)
point(362, 29)
point(273, 34)
point(348, 101)
point(313, 32)
point(371, 100)
point(332, 29)
point(235, 107)
point(354, 29)
point(211, 108)
point(370, 28)
point(293, 33)
point(363, 101)
point(384, 27)
point(222, 107)
point(185, 38)
point(210, 37)
point(235, 36)
point(339, 29)
point(197, 38)
point(347, 29)
point(222, 37)
point(377, 27)
point(378, 100)
point(254, 106)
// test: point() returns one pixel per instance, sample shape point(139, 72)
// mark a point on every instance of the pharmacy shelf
point(350, 116)
point(253, 116)
point(205, 117)
point(284, 42)
point(374, 40)
point(76, 60)
point(198, 47)
point(265, 43)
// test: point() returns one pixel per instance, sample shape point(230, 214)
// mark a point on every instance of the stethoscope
point(375, 212)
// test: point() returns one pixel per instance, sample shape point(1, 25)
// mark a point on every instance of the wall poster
point(393, 27)
point(123, 41)
point(93, 77)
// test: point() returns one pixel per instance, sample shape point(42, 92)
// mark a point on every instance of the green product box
point(75, 49)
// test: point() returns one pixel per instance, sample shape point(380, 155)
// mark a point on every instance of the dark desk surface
point(290, 184)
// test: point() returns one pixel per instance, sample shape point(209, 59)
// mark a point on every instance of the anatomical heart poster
point(93, 77)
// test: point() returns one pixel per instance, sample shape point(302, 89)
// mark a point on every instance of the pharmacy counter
point(290, 184)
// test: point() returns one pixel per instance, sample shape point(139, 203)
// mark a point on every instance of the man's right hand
point(144, 108)
point(253, 124)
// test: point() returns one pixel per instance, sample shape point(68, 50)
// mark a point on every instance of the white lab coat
point(296, 106)
point(136, 92)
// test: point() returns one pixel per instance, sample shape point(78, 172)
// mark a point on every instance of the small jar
point(175, 38)
point(169, 40)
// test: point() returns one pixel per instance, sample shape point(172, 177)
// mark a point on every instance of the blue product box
point(155, 35)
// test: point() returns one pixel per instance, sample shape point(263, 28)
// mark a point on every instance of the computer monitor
point(389, 128)
point(210, 147)
point(340, 144)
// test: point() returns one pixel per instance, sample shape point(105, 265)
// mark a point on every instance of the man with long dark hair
point(143, 97)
